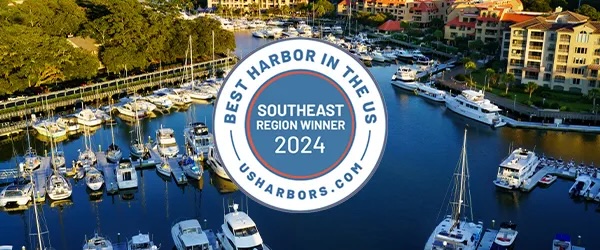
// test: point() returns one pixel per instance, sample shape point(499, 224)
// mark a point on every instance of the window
point(592, 83)
point(565, 38)
point(242, 232)
point(561, 68)
point(562, 58)
point(559, 79)
point(579, 60)
point(547, 77)
point(594, 73)
point(576, 81)
point(577, 71)
point(583, 37)
point(597, 61)
point(597, 52)
point(563, 48)
point(581, 50)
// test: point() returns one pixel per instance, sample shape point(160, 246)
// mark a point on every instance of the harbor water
point(397, 209)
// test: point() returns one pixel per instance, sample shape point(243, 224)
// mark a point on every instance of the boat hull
point(114, 156)
point(456, 108)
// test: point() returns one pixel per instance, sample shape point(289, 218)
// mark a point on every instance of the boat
point(190, 167)
point(562, 242)
point(337, 30)
point(364, 56)
point(58, 159)
point(141, 242)
point(126, 175)
point(97, 243)
point(49, 129)
point(68, 123)
point(58, 187)
point(457, 230)
point(166, 143)
point(405, 54)
point(87, 117)
point(215, 162)
point(430, 93)
point(160, 100)
point(16, 193)
point(198, 137)
point(505, 239)
point(188, 235)
point(113, 152)
point(130, 109)
point(259, 34)
point(405, 78)
point(548, 179)
point(137, 148)
point(516, 169)
point(472, 104)
point(581, 185)
point(377, 56)
point(94, 179)
point(239, 231)
point(31, 161)
point(87, 157)
point(164, 168)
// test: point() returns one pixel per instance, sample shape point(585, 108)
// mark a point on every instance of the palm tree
point(593, 93)
point(530, 88)
point(489, 72)
point(470, 66)
point(508, 79)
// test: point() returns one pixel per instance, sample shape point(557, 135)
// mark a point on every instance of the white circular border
point(376, 141)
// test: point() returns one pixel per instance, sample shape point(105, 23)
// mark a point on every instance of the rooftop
point(562, 21)
point(239, 220)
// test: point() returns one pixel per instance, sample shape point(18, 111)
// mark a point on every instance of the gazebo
point(390, 25)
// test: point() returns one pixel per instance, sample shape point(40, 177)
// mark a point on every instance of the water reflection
point(222, 185)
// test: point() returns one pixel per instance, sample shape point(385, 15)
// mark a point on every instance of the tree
point(321, 7)
point(54, 17)
point(436, 23)
point(530, 88)
point(470, 66)
point(537, 5)
point(593, 94)
point(589, 11)
point(489, 72)
point(508, 79)
point(438, 34)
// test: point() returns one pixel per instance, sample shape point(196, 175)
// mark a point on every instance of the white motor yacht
point(377, 56)
point(431, 93)
point(405, 78)
point(505, 239)
point(49, 128)
point(456, 231)
point(160, 100)
point(19, 194)
point(97, 243)
point(516, 169)
point(472, 104)
point(198, 137)
point(94, 179)
point(365, 57)
point(58, 187)
point(199, 93)
point(131, 110)
point(188, 235)
point(166, 142)
point(405, 54)
point(215, 162)
point(581, 185)
point(141, 242)
point(87, 117)
point(239, 232)
point(259, 34)
point(291, 32)
point(126, 175)
point(68, 123)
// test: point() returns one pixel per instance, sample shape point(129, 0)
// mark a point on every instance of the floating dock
point(177, 171)
point(108, 170)
point(40, 176)
point(150, 162)
point(488, 239)
point(535, 179)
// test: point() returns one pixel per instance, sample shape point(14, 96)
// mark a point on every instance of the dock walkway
point(40, 176)
point(550, 126)
point(488, 239)
point(177, 171)
point(108, 169)
point(558, 171)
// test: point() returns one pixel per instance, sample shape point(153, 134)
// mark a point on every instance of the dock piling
point(493, 223)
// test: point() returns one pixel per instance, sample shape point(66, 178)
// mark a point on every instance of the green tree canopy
point(589, 11)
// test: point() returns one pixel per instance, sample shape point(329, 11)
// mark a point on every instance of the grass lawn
point(563, 100)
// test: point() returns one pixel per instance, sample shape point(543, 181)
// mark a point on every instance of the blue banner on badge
point(300, 130)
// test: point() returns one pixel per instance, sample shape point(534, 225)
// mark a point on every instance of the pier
point(488, 239)
point(108, 170)
point(177, 171)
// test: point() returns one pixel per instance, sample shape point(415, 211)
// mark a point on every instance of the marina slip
point(300, 125)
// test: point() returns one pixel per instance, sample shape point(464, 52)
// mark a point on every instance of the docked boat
point(188, 235)
point(87, 117)
point(215, 162)
point(130, 109)
point(259, 34)
point(166, 143)
point(113, 152)
point(190, 167)
point(126, 175)
point(31, 160)
point(405, 78)
point(97, 243)
point(458, 231)
point(364, 56)
point(377, 56)
point(160, 100)
point(562, 242)
point(179, 97)
point(58, 159)
point(94, 179)
point(68, 123)
point(141, 242)
point(337, 30)
point(430, 93)
point(19, 194)
point(548, 179)
point(405, 54)
point(49, 129)
point(198, 137)
point(581, 185)
point(505, 239)
point(472, 104)
point(58, 187)
point(239, 231)
point(516, 169)
point(164, 168)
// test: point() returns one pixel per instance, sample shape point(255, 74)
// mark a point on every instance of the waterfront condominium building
point(245, 4)
point(414, 11)
point(482, 20)
point(560, 51)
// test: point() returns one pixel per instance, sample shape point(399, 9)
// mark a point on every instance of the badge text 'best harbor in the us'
point(300, 130)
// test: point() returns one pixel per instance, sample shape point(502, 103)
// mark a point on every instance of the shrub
point(564, 108)
point(460, 77)
point(538, 103)
point(554, 105)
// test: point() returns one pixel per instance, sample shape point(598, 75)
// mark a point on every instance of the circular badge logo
point(300, 125)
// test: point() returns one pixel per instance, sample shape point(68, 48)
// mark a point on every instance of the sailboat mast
point(37, 220)
point(213, 52)
point(191, 61)
point(112, 134)
point(462, 183)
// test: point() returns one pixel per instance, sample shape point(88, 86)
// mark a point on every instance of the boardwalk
point(108, 170)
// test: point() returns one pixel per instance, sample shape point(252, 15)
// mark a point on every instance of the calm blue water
point(397, 209)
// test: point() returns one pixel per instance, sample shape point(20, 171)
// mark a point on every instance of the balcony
point(563, 50)
point(532, 57)
point(535, 47)
point(516, 55)
point(565, 40)
point(517, 64)
point(536, 38)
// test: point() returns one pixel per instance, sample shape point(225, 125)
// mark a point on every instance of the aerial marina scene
point(129, 161)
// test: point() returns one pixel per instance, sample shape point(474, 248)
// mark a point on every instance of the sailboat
point(113, 153)
point(94, 179)
point(57, 159)
point(87, 157)
point(31, 160)
point(195, 92)
point(137, 146)
point(58, 187)
point(39, 242)
point(455, 232)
